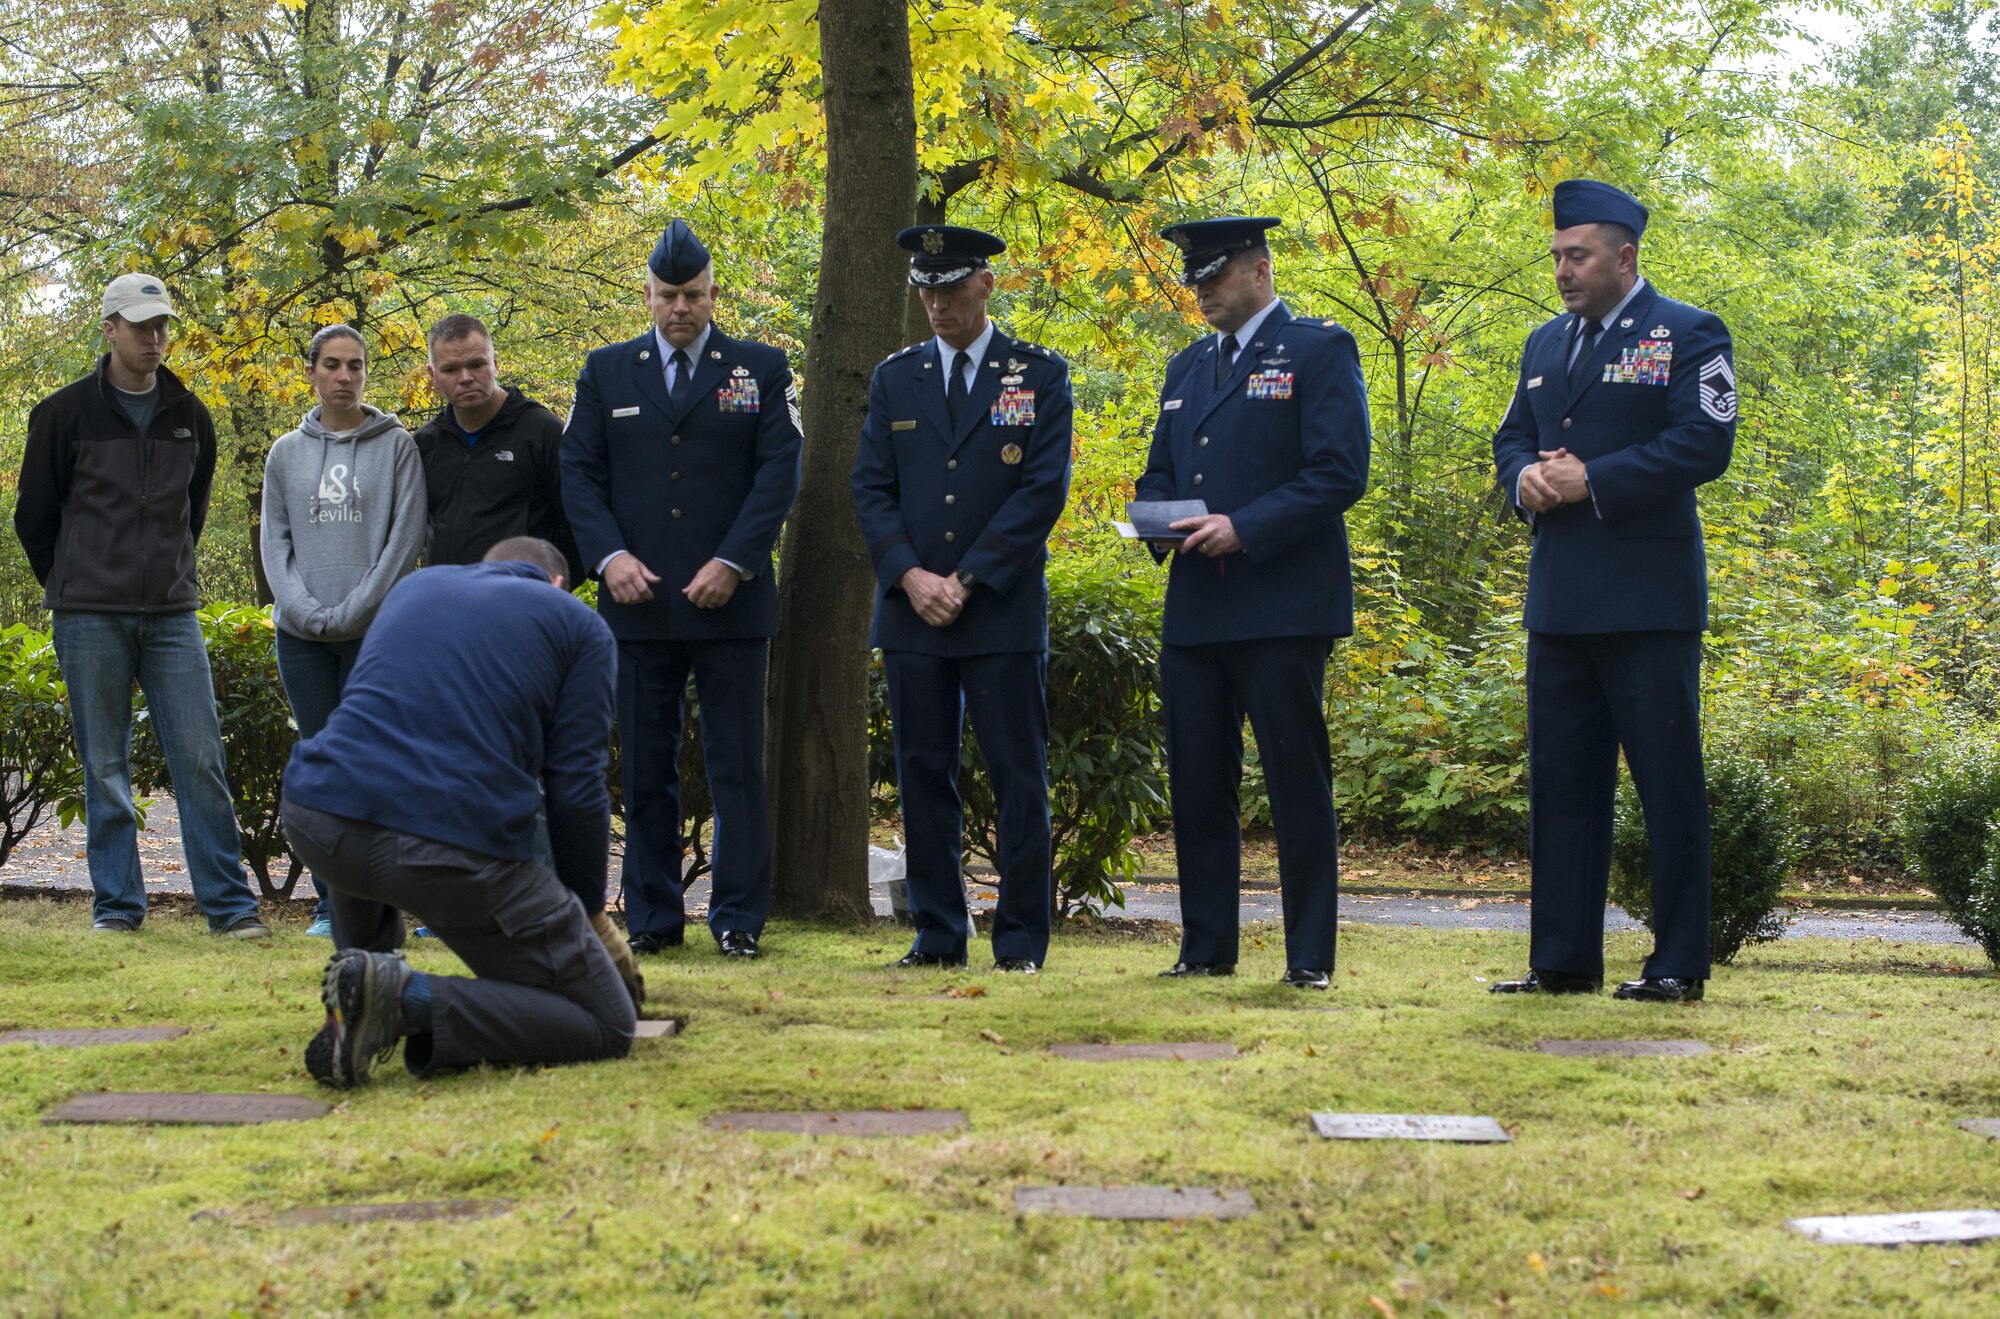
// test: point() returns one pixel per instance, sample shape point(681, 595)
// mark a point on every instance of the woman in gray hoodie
point(344, 519)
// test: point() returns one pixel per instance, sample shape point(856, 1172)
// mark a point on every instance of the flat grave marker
point(1982, 1126)
point(1624, 1048)
point(87, 1037)
point(1190, 1051)
point(186, 1109)
point(1942, 1226)
point(414, 1211)
point(1410, 1126)
point(861, 1122)
point(654, 1028)
point(1141, 1203)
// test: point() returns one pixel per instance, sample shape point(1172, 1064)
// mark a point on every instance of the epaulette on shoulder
point(905, 352)
point(1315, 323)
point(1037, 350)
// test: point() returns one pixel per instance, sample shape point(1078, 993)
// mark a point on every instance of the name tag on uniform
point(624, 412)
point(902, 425)
point(1534, 382)
point(1170, 405)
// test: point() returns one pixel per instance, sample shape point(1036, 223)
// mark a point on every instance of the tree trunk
point(818, 745)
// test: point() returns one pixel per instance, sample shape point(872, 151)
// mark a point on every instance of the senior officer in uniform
point(1266, 421)
point(962, 472)
point(680, 464)
point(1624, 406)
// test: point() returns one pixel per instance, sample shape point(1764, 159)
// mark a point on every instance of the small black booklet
point(1151, 518)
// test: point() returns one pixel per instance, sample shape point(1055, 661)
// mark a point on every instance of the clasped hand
point(937, 600)
point(1558, 479)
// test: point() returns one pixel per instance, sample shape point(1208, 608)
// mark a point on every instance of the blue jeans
point(314, 674)
point(101, 656)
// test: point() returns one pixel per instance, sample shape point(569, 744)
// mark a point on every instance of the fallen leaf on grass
point(1695, 1194)
point(991, 1037)
point(550, 1134)
point(1388, 1310)
point(1538, 1264)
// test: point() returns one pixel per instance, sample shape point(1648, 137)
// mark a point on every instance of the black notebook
point(1151, 518)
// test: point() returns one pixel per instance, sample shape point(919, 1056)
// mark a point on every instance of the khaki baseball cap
point(137, 298)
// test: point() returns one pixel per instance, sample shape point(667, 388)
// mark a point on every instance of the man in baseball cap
point(113, 493)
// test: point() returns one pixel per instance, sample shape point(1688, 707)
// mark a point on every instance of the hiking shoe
point(363, 993)
point(248, 927)
point(113, 925)
point(321, 928)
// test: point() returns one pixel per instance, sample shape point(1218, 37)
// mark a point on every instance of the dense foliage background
point(291, 164)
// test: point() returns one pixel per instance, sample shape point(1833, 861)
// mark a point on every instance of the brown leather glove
point(621, 957)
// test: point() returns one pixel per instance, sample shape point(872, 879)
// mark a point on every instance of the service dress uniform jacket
point(1617, 601)
point(676, 482)
point(1281, 444)
point(978, 498)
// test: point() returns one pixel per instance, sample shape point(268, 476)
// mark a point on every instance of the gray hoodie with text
point(344, 519)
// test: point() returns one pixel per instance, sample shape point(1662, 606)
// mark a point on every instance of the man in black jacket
point(491, 456)
point(113, 492)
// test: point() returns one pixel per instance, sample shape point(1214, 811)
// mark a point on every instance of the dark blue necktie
point(1587, 340)
point(683, 376)
point(955, 392)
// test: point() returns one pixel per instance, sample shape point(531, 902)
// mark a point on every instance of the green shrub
point(1981, 920)
point(1948, 808)
point(1752, 845)
point(39, 771)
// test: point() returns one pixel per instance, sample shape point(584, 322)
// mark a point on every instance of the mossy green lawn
point(1641, 1186)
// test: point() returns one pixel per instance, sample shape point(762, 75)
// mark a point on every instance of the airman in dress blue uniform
point(1266, 421)
point(679, 466)
point(1625, 405)
point(962, 472)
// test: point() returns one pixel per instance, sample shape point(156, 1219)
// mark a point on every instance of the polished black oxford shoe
point(1660, 989)
point(646, 943)
point(1548, 982)
point(913, 959)
point(1307, 978)
point(1020, 966)
point(1180, 969)
point(737, 943)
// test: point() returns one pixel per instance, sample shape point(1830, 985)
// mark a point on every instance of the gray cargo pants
point(546, 991)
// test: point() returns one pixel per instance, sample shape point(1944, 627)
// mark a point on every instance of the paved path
point(53, 858)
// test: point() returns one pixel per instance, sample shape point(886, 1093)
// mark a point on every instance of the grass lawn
point(1637, 1186)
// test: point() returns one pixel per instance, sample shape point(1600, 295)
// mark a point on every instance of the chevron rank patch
point(792, 404)
point(1718, 389)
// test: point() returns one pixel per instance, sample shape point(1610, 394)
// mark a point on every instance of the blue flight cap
point(947, 254)
point(1207, 245)
point(679, 256)
point(1586, 201)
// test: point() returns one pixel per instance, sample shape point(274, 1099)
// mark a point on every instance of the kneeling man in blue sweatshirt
point(481, 697)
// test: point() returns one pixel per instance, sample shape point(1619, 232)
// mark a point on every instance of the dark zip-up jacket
point(108, 515)
point(508, 484)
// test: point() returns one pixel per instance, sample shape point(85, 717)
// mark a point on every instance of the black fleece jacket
point(107, 514)
point(508, 484)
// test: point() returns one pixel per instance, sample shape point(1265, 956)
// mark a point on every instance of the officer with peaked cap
point(680, 464)
point(1266, 422)
point(1625, 404)
point(962, 472)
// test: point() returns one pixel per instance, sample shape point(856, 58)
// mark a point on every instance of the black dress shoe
point(646, 942)
point(737, 943)
point(1307, 978)
point(913, 959)
point(1180, 969)
point(1025, 966)
point(1660, 989)
point(1548, 982)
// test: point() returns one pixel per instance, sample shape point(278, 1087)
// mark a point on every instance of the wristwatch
point(966, 579)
